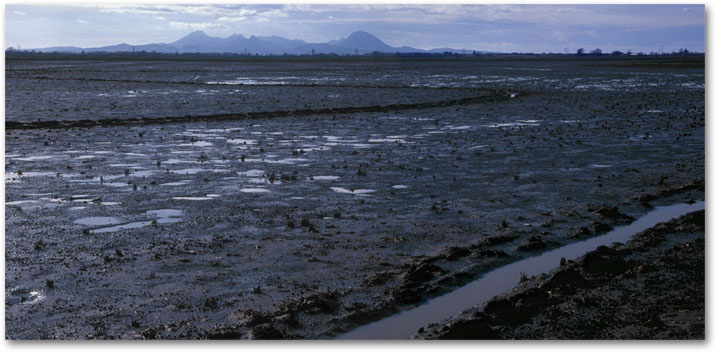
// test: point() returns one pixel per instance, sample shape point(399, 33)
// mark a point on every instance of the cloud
point(231, 19)
point(159, 17)
point(79, 20)
point(262, 19)
point(274, 13)
point(21, 13)
point(196, 25)
point(651, 16)
point(643, 16)
point(196, 10)
point(246, 12)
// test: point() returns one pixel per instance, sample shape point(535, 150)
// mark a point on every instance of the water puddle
point(35, 157)
point(24, 296)
point(360, 192)
point(287, 161)
point(336, 139)
point(131, 225)
point(178, 183)
point(196, 144)
point(251, 173)
point(97, 221)
point(177, 161)
point(166, 216)
point(20, 202)
point(321, 148)
point(511, 124)
point(195, 134)
point(163, 216)
point(254, 190)
point(362, 145)
point(115, 184)
point(82, 200)
point(323, 178)
point(196, 198)
point(387, 140)
point(136, 166)
point(53, 200)
point(143, 173)
point(196, 170)
point(241, 141)
point(405, 324)
point(222, 130)
point(262, 181)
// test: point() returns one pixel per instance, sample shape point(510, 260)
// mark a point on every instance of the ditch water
point(405, 324)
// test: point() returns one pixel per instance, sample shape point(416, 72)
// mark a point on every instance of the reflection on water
point(97, 221)
point(131, 225)
point(360, 192)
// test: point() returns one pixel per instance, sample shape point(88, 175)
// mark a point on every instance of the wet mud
point(310, 225)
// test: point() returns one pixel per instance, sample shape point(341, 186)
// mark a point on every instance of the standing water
point(405, 324)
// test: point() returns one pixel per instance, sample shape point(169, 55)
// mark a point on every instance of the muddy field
point(311, 222)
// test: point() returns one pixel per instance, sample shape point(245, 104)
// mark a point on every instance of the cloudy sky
point(504, 28)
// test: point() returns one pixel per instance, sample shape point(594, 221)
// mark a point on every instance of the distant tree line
point(598, 52)
point(581, 52)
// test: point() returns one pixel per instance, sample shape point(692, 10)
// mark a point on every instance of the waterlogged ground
point(75, 89)
point(308, 226)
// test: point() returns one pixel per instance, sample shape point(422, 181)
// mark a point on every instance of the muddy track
point(650, 288)
point(493, 96)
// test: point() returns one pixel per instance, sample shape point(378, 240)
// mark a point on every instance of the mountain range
point(359, 42)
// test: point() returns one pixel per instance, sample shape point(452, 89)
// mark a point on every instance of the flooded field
point(307, 222)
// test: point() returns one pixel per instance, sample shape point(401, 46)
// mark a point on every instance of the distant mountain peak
point(358, 42)
point(362, 34)
point(362, 40)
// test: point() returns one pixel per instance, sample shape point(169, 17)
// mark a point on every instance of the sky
point(501, 28)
